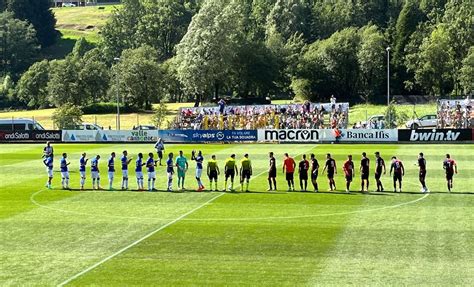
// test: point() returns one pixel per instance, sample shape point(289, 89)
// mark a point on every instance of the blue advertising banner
point(189, 136)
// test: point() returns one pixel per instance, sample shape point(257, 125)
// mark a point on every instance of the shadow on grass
point(60, 49)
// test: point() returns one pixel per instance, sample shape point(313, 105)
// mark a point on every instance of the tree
point(163, 26)
point(160, 115)
point(118, 33)
point(467, 73)
point(371, 58)
point(433, 65)
point(63, 86)
point(290, 17)
point(18, 46)
point(93, 76)
point(206, 55)
point(67, 117)
point(32, 86)
point(409, 19)
point(139, 77)
point(39, 14)
point(331, 66)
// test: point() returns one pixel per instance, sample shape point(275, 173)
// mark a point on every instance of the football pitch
point(260, 238)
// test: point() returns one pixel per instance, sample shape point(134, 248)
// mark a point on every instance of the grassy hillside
point(357, 113)
point(76, 22)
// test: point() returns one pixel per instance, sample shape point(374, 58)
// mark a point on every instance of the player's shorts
point(378, 174)
point(170, 175)
point(422, 174)
point(160, 154)
point(230, 173)
point(272, 173)
point(364, 175)
point(151, 174)
point(348, 177)
point(397, 177)
point(304, 175)
point(83, 174)
point(139, 174)
point(181, 172)
point(65, 174)
point(449, 175)
point(49, 172)
point(245, 174)
point(198, 172)
point(111, 174)
point(330, 174)
point(95, 174)
point(125, 173)
point(289, 176)
point(314, 176)
point(213, 175)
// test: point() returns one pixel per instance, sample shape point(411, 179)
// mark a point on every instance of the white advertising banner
point(110, 136)
point(368, 135)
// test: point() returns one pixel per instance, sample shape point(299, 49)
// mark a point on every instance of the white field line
point(143, 238)
point(136, 242)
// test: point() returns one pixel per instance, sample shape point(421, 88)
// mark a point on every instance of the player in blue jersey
point(48, 162)
point(95, 174)
point(64, 171)
point(125, 162)
point(199, 160)
point(138, 171)
point(170, 171)
point(48, 150)
point(111, 169)
point(82, 169)
point(150, 165)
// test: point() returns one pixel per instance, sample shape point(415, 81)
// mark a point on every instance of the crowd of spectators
point(294, 116)
point(456, 114)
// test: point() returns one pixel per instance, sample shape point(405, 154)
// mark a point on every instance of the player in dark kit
point(272, 173)
point(379, 166)
point(349, 172)
point(422, 172)
point(450, 167)
point(314, 172)
point(398, 173)
point(332, 169)
point(364, 172)
point(303, 168)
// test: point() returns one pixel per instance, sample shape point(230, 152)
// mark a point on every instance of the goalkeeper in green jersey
point(245, 172)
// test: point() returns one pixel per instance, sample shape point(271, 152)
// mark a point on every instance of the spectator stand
point(293, 116)
point(456, 114)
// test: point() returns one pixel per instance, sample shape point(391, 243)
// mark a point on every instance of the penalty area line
point(72, 278)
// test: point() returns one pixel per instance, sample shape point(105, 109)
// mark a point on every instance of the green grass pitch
point(53, 237)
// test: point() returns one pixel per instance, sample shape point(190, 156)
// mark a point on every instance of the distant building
point(60, 3)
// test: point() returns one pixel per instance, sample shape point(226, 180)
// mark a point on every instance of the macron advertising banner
point(327, 135)
point(435, 135)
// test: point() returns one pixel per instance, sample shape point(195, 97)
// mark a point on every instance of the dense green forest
point(180, 50)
